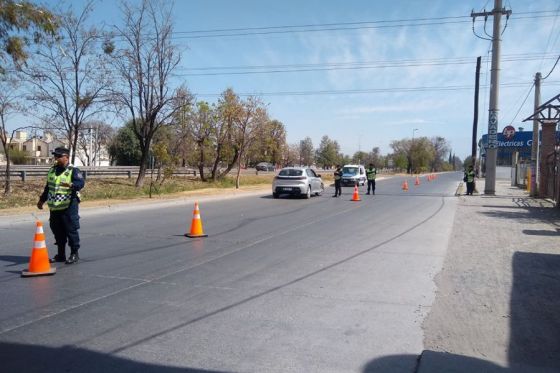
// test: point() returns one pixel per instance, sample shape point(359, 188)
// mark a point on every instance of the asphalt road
point(280, 285)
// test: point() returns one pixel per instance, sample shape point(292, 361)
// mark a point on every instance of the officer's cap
point(60, 151)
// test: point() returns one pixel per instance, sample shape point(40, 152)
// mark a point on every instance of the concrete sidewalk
point(497, 307)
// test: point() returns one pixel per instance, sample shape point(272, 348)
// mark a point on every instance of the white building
point(40, 148)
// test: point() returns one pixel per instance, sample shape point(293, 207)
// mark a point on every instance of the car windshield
point(350, 170)
point(290, 172)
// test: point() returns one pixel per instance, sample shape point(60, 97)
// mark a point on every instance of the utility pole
point(535, 144)
point(492, 151)
point(475, 120)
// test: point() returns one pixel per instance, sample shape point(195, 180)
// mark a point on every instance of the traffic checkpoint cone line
point(196, 225)
point(356, 195)
point(39, 264)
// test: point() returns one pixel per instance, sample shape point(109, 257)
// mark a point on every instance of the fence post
point(84, 172)
point(129, 174)
point(22, 175)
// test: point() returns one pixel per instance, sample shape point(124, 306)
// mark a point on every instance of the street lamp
point(411, 146)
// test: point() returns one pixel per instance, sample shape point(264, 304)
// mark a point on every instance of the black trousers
point(337, 187)
point(371, 184)
point(64, 225)
point(470, 187)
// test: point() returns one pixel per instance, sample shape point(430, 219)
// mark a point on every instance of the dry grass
point(27, 194)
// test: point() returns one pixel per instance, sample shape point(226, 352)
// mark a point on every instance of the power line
point(370, 90)
point(551, 70)
point(242, 31)
point(341, 28)
point(271, 69)
point(523, 103)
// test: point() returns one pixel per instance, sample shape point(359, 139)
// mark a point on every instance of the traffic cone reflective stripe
point(196, 225)
point(356, 195)
point(39, 262)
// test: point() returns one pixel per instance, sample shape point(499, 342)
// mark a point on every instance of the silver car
point(299, 181)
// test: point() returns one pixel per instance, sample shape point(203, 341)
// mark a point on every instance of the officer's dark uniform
point(371, 174)
point(63, 202)
point(337, 182)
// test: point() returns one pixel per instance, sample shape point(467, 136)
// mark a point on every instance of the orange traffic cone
point(405, 186)
point(429, 177)
point(417, 181)
point(356, 195)
point(39, 262)
point(196, 225)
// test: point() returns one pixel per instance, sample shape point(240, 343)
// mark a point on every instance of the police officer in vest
point(61, 193)
point(337, 181)
point(371, 173)
point(469, 179)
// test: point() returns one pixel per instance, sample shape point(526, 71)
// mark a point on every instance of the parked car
point(299, 181)
point(264, 166)
point(353, 174)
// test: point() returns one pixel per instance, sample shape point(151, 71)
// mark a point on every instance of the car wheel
point(321, 191)
point(275, 195)
point(308, 193)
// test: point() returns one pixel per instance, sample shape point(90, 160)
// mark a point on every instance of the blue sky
point(380, 60)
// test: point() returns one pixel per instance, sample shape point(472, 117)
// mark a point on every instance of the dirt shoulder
point(497, 302)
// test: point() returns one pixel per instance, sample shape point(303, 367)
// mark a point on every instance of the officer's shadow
point(13, 260)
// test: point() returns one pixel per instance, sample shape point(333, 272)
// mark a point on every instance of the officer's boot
point(60, 257)
point(73, 258)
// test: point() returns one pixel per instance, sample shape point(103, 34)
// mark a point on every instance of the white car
point(299, 181)
point(353, 174)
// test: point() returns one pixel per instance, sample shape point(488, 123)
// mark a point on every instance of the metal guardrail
point(24, 173)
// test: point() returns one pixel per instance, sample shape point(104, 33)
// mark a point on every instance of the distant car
point(353, 174)
point(299, 181)
point(264, 166)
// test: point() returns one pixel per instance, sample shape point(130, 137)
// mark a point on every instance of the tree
point(376, 158)
point(402, 152)
point(306, 152)
point(328, 152)
point(229, 112)
point(124, 149)
point(422, 154)
point(269, 144)
point(145, 61)
point(91, 143)
point(19, 19)
point(202, 126)
point(252, 117)
point(98, 136)
point(359, 157)
point(274, 138)
point(68, 77)
point(441, 147)
point(291, 155)
point(182, 144)
point(10, 104)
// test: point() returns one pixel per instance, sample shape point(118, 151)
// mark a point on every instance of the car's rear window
point(290, 172)
point(350, 170)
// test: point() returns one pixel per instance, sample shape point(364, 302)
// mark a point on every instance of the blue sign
point(519, 140)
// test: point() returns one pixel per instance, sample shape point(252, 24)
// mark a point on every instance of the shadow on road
point(431, 361)
point(14, 260)
point(30, 358)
